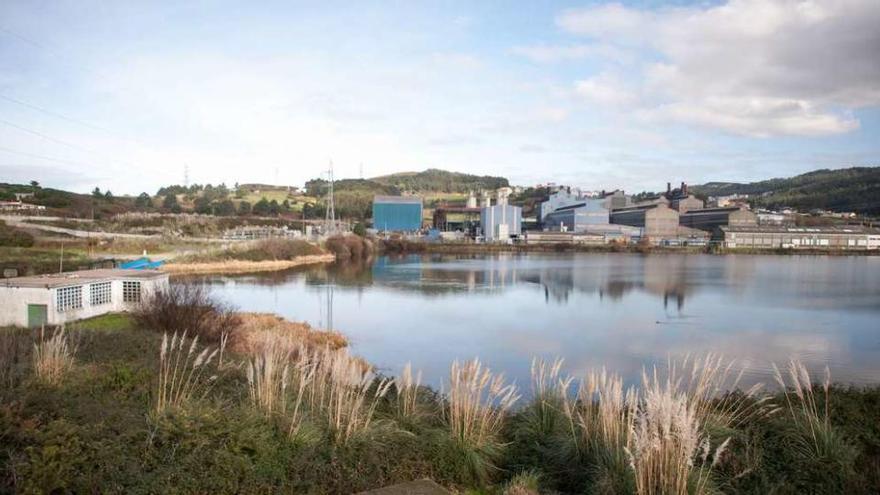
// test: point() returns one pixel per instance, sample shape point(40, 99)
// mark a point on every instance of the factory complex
point(569, 215)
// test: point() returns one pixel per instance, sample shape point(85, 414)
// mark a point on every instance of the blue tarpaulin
point(141, 264)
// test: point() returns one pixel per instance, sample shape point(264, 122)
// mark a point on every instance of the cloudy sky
point(124, 95)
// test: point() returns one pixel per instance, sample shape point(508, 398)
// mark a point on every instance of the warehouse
point(658, 221)
point(64, 297)
point(397, 213)
point(711, 218)
point(576, 217)
point(847, 237)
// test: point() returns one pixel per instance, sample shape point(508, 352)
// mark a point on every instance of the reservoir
point(621, 311)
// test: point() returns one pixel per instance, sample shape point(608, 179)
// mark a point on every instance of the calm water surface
point(616, 310)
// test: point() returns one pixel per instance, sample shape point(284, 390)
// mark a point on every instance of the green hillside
point(851, 189)
point(434, 180)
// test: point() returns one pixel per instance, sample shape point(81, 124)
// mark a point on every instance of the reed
point(53, 356)
point(182, 372)
point(478, 401)
point(268, 375)
point(815, 438)
point(407, 387)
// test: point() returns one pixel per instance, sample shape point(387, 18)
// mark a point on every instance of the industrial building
point(64, 297)
point(658, 221)
point(575, 217)
point(849, 237)
point(711, 218)
point(500, 222)
point(397, 213)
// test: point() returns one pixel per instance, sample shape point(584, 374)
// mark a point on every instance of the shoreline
point(243, 266)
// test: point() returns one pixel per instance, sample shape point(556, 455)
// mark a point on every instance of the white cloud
point(752, 67)
point(605, 89)
point(545, 53)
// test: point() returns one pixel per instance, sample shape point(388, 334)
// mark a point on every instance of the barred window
point(99, 293)
point(69, 298)
point(131, 291)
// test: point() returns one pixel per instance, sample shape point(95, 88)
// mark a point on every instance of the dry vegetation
point(292, 411)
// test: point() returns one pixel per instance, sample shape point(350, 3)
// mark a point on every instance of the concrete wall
point(14, 302)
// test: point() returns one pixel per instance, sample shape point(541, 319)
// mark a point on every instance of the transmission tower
point(185, 175)
point(330, 217)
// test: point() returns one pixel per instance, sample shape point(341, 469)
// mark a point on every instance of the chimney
point(668, 188)
point(684, 189)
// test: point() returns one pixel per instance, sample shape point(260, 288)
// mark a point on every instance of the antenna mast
point(330, 217)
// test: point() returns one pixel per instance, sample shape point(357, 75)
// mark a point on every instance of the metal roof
point(81, 277)
point(827, 229)
point(398, 199)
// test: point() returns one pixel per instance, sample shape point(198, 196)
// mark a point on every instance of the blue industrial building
point(397, 213)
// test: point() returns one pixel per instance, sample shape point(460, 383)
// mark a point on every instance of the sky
point(128, 96)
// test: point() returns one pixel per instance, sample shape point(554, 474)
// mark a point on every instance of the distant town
point(441, 207)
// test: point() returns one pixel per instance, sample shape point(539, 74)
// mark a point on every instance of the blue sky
point(123, 95)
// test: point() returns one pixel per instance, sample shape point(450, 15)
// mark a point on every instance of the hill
point(854, 189)
point(65, 203)
point(435, 180)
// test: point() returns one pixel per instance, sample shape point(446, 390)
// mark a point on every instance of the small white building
point(64, 297)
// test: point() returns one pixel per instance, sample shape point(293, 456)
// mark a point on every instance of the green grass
point(41, 260)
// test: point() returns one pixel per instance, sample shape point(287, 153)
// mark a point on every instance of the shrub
point(188, 308)
point(13, 349)
point(10, 237)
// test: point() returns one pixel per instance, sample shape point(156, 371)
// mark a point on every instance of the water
point(621, 311)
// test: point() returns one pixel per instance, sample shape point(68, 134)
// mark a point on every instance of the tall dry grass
point(325, 386)
point(407, 388)
point(813, 436)
point(182, 372)
point(478, 401)
point(53, 356)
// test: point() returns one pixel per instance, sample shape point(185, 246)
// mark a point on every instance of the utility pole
point(330, 216)
point(185, 175)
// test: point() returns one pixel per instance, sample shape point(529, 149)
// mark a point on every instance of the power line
point(53, 114)
point(41, 157)
point(44, 136)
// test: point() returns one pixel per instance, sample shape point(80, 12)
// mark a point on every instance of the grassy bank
point(276, 412)
point(37, 261)
point(268, 255)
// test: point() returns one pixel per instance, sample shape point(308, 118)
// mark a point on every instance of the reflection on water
point(620, 311)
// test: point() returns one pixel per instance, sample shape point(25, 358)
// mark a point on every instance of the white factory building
point(500, 222)
point(64, 297)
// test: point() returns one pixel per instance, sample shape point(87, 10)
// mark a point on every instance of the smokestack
point(684, 189)
point(669, 188)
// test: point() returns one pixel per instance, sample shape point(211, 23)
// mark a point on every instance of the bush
point(347, 247)
point(11, 237)
point(187, 308)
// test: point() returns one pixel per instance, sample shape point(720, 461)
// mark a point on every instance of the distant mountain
point(850, 189)
point(435, 180)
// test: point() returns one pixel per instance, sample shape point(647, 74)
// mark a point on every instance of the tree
point(143, 201)
point(286, 205)
point(97, 193)
point(359, 229)
point(108, 195)
point(274, 207)
point(261, 207)
point(203, 205)
point(224, 208)
point(35, 185)
point(244, 208)
point(170, 202)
